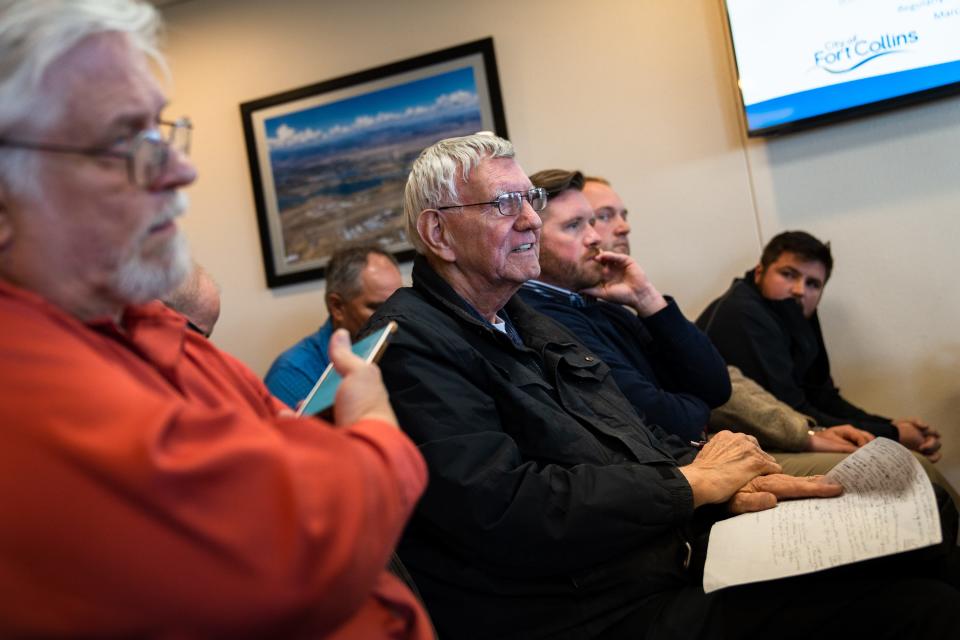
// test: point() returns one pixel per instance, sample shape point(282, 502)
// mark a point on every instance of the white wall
point(640, 91)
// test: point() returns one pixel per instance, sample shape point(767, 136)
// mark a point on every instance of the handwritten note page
point(887, 507)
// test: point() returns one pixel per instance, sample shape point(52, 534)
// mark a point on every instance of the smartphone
point(321, 396)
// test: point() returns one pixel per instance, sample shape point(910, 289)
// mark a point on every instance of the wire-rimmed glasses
point(510, 204)
point(146, 157)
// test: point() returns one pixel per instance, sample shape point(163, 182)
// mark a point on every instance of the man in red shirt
point(152, 485)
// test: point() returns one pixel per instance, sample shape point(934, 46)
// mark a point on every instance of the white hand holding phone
point(322, 395)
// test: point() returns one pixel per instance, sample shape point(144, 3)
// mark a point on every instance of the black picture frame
point(328, 161)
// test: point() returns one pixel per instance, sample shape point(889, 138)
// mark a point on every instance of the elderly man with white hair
point(151, 485)
point(553, 511)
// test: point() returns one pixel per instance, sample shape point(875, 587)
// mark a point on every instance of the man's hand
point(725, 464)
point(918, 435)
point(625, 282)
point(842, 439)
point(361, 394)
point(765, 491)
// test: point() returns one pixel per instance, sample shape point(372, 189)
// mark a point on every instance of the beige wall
point(640, 91)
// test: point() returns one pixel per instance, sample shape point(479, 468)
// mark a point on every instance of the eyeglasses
point(511, 204)
point(146, 158)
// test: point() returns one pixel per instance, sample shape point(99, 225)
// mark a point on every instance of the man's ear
point(335, 304)
point(758, 273)
point(435, 233)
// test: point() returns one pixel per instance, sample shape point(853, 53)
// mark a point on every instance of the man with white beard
point(153, 487)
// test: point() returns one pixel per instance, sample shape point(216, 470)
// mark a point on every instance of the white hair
point(433, 178)
point(36, 33)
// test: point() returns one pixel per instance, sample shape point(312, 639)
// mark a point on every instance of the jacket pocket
point(585, 366)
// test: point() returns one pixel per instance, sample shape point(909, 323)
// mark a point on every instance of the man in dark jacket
point(766, 324)
point(552, 510)
point(664, 365)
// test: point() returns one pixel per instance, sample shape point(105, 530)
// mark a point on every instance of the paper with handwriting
point(887, 507)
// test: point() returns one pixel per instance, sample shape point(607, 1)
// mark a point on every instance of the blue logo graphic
point(843, 56)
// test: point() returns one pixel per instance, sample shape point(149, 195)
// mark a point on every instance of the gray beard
point(137, 282)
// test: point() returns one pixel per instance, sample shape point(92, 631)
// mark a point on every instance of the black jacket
point(552, 511)
point(772, 343)
point(665, 366)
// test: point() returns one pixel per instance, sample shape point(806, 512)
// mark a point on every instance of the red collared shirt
point(150, 488)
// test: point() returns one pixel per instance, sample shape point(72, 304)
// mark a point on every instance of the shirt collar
point(554, 292)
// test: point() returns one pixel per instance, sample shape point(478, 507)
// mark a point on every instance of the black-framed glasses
point(511, 204)
point(146, 158)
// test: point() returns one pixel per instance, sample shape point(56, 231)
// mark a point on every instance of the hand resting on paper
point(725, 464)
point(732, 467)
point(763, 492)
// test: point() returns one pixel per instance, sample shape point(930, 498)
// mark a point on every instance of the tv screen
point(807, 62)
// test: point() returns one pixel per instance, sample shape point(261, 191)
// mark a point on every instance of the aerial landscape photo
point(339, 169)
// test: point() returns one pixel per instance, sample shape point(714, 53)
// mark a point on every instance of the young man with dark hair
point(767, 325)
point(801, 244)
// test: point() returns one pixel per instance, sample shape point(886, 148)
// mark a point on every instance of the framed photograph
point(329, 162)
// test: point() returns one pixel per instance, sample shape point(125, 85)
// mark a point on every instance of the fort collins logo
point(843, 56)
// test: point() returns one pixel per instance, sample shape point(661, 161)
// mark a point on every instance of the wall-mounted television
point(802, 63)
